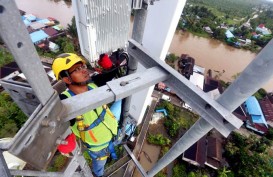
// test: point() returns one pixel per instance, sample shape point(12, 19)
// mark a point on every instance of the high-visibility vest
point(99, 136)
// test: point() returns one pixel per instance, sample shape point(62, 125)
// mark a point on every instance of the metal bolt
point(2, 8)
point(123, 83)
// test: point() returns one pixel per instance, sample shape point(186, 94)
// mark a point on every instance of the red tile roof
point(197, 152)
point(261, 26)
point(50, 31)
point(261, 127)
point(267, 108)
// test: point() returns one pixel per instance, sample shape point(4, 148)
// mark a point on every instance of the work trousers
point(98, 164)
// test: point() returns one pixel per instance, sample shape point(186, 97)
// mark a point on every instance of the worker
point(96, 128)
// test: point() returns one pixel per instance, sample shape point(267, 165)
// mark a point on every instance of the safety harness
point(82, 128)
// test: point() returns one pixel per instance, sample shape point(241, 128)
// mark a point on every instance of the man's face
point(79, 73)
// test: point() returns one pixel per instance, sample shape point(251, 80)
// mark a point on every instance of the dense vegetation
point(265, 17)
point(158, 140)
point(233, 8)
point(11, 117)
point(250, 156)
point(230, 14)
point(177, 118)
point(5, 56)
point(58, 163)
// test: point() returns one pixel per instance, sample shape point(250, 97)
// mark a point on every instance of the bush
point(164, 150)
point(171, 58)
point(172, 127)
point(5, 57)
point(58, 164)
point(160, 174)
point(158, 140)
point(87, 158)
point(179, 170)
point(11, 117)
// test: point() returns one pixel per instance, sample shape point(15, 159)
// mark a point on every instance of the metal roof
point(254, 110)
point(38, 36)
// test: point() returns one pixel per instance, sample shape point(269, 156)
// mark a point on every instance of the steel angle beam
point(86, 101)
point(126, 86)
point(112, 91)
point(23, 95)
point(4, 171)
point(42, 174)
point(117, 165)
point(138, 165)
point(218, 116)
point(39, 134)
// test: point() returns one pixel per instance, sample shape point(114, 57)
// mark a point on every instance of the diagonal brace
point(213, 112)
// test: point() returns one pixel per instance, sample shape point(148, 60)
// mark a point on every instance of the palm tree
point(223, 172)
point(72, 29)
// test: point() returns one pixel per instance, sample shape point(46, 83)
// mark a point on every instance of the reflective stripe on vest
point(100, 134)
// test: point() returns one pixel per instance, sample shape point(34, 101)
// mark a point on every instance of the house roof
point(261, 26)
point(50, 31)
point(270, 97)
point(22, 12)
point(43, 21)
point(52, 45)
point(198, 69)
point(197, 152)
point(30, 17)
point(51, 18)
point(214, 149)
point(37, 25)
point(30, 30)
point(254, 110)
point(239, 112)
point(38, 36)
point(197, 79)
point(206, 151)
point(210, 84)
point(57, 27)
point(267, 108)
point(26, 22)
point(229, 34)
point(261, 127)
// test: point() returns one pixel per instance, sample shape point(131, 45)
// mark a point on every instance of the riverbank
point(224, 61)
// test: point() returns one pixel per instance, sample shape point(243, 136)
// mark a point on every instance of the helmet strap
point(80, 83)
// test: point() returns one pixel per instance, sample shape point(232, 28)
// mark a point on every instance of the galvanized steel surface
point(103, 25)
point(4, 171)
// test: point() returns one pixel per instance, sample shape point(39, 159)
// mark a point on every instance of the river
point(214, 55)
point(61, 11)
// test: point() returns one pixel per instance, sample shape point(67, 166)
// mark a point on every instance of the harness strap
point(96, 122)
point(111, 150)
point(90, 146)
point(105, 107)
point(82, 128)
